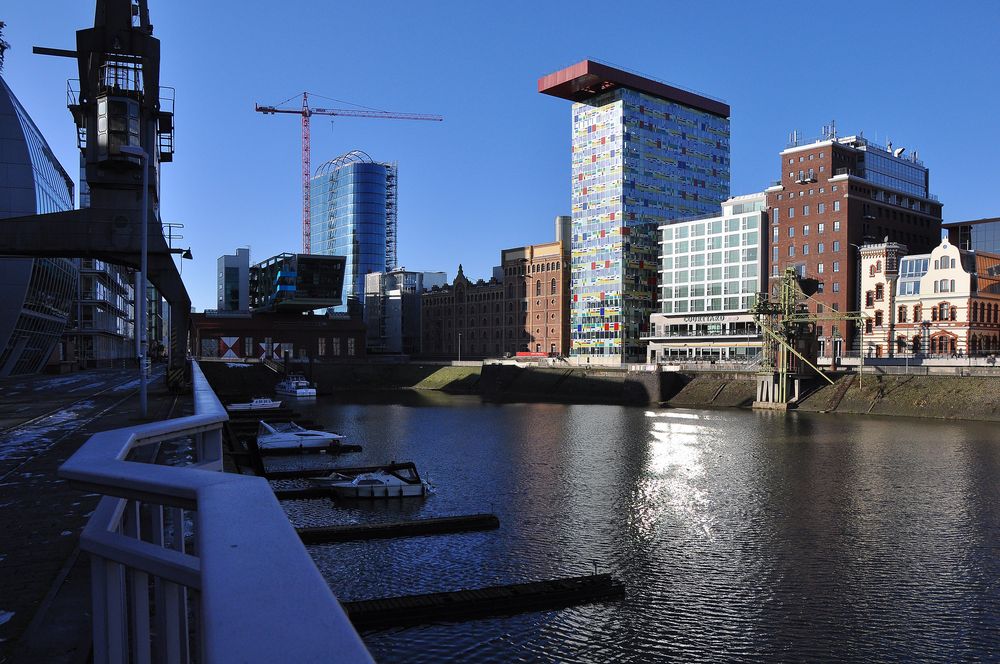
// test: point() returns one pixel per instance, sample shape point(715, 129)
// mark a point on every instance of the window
point(836, 289)
point(836, 266)
point(836, 226)
point(820, 247)
point(917, 313)
point(321, 349)
point(805, 231)
point(822, 227)
point(805, 250)
point(774, 234)
point(538, 287)
point(350, 345)
point(791, 232)
point(836, 245)
point(774, 256)
point(869, 299)
point(879, 292)
point(791, 213)
point(819, 268)
point(552, 287)
point(821, 207)
point(836, 204)
point(776, 215)
point(791, 250)
point(805, 210)
point(871, 270)
point(901, 313)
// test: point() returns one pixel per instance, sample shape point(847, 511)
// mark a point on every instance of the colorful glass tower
point(644, 153)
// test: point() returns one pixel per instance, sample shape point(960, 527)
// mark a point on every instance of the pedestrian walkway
point(44, 420)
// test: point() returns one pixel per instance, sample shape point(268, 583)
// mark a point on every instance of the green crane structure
point(788, 331)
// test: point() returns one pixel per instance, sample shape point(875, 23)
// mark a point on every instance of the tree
point(3, 44)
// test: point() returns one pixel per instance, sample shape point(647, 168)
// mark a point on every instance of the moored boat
point(291, 436)
point(258, 403)
point(295, 385)
point(396, 480)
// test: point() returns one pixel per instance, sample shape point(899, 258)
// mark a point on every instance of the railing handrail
point(262, 598)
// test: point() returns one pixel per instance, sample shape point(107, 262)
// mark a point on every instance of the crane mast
point(306, 112)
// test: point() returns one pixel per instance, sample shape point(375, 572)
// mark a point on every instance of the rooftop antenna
point(833, 129)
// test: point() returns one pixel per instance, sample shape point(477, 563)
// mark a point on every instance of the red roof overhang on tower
point(587, 79)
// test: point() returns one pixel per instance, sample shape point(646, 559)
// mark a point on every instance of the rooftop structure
point(975, 234)
point(589, 78)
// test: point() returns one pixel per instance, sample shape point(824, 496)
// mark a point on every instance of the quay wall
point(975, 397)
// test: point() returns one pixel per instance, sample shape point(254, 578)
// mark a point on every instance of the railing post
point(139, 592)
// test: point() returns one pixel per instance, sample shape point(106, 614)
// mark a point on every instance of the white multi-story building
point(711, 269)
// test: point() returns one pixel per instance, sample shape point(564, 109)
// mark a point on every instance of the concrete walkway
point(44, 583)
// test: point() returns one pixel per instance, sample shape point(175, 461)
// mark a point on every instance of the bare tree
point(3, 44)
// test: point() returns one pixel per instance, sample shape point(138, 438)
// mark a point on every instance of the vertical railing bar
point(99, 607)
point(138, 606)
point(178, 612)
point(163, 649)
point(117, 625)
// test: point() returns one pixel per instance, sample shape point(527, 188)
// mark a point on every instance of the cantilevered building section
point(644, 153)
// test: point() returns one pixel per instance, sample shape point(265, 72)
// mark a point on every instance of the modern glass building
point(975, 235)
point(233, 281)
point(712, 268)
point(38, 293)
point(354, 215)
point(643, 153)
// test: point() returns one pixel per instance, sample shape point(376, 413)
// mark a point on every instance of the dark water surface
point(738, 535)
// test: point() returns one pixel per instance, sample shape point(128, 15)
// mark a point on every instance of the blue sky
point(495, 173)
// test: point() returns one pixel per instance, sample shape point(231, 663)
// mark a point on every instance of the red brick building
point(834, 193)
point(536, 298)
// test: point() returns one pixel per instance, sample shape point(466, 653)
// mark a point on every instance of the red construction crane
point(306, 112)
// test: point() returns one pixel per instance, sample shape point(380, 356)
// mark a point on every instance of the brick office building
point(462, 320)
point(833, 193)
point(536, 295)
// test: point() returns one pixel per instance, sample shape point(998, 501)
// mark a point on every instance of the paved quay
point(43, 421)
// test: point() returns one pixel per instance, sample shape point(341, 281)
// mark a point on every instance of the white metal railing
point(192, 564)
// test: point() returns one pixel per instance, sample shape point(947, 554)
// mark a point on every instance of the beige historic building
point(943, 303)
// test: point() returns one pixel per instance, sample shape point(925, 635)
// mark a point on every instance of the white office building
point(711, 269)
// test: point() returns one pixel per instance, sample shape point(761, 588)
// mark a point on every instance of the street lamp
point(137, 151)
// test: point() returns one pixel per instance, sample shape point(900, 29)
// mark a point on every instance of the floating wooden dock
point(367, 531)
point(323, 472)
point(464, 604)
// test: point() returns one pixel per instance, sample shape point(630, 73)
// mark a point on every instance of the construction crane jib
point(306, 112)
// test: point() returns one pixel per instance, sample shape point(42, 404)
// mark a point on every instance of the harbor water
point(738, 535)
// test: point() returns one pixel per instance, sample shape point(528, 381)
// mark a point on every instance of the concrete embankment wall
point(577, 385)
point(952, 397)
point(233, 380)
point(948, 397)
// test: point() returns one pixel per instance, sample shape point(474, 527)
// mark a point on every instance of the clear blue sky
point(496, 172)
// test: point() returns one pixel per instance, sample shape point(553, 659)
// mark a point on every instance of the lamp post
point(137, 151)
point(459, 346)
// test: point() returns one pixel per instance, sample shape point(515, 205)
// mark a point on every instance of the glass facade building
point(354, 215)
point(38, 293)
point(712, 268)
point(643, 153)
point(977, 235)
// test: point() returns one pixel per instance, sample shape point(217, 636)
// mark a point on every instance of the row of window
point(820, 228)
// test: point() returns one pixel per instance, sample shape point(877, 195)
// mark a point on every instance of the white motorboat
point(258, 403)
point(295, 385)
point(290, 436)
point(392, 481)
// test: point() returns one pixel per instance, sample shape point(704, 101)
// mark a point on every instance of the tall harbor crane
point(306, 112)
point(787, 326)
